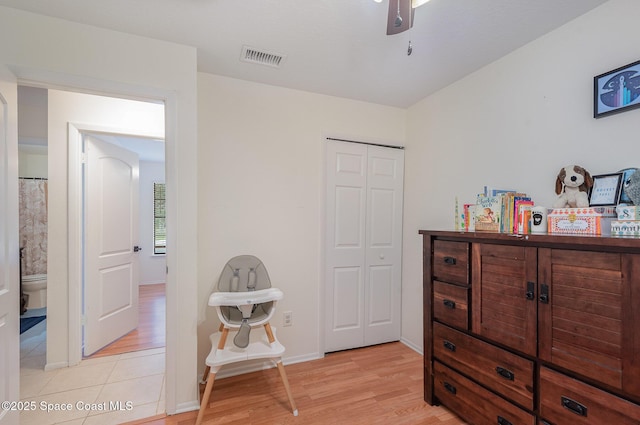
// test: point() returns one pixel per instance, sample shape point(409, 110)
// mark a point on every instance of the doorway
point(75, 291)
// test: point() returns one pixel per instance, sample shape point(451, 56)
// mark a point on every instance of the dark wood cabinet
point(540, 328)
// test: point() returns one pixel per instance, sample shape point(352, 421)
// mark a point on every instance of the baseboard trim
point(187, 406)
point(412, 346)
point(54, 366)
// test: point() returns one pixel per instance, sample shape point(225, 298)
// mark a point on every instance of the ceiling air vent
point(261, 57)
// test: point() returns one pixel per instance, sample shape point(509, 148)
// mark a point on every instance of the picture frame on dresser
point(617, 90)
point(606, 189)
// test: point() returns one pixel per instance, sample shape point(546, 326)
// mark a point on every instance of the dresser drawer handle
point(450, 260)
point(449, 304)
point(450, 388)
point(574, 406)
point(506, 374)
point(449, 345)
point(503, 421)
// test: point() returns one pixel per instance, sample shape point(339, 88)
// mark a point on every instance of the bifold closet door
point(363, 244)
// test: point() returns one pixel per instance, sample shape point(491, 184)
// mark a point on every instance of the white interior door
point(346, 177)
point(9, 257)
point(363, 244)
point(111, 239)
point(383, 259)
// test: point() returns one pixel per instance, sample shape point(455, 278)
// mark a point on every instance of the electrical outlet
point(287, 318)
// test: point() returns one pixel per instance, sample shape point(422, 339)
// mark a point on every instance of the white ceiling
point(333, 47)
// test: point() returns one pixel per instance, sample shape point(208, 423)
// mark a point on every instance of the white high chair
point(244, 300)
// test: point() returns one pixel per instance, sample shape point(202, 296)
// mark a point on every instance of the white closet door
point(362, 244)
point(346, 167)
point(383, 259)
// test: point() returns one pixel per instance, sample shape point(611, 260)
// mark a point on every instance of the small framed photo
point(616, 91)
point(605, 190)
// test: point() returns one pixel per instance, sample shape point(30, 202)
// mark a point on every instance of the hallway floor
point(135, 379)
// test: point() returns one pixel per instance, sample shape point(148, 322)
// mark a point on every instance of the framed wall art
point(616, 91)
point(605, 190)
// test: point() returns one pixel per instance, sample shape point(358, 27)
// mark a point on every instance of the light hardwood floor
point(150, 332)
point(382, 385)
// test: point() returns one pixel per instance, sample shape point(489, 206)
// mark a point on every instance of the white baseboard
point(187, 406)
point(54, 366)
point(412, 346)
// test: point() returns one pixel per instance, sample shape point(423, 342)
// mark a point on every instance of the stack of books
point(504, 211)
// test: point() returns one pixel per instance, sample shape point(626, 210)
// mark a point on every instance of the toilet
point(35, 286)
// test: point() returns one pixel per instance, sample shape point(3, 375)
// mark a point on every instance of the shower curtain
point(33, 225)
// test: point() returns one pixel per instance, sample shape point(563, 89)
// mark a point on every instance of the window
point(159, 228)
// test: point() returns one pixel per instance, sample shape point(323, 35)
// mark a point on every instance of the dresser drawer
point(474, 403)
point(451, 261)
point(505, 373)
point(564, 400)
point(451, 304)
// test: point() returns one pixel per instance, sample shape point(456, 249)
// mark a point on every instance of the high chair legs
point(285, 381)
point(205, 396)
point(283, 374)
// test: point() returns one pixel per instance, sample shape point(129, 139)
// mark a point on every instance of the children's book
point(469, 217)
point(524, 218)
point(488, 213)
point(517, 202)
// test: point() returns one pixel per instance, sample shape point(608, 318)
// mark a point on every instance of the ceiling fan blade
point(400, 16)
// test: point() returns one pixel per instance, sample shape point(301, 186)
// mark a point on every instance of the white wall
point(152, 267)
point(260, 165)
point(57, 52)
point(515, 123)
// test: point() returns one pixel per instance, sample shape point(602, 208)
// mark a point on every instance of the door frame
point(76, 132)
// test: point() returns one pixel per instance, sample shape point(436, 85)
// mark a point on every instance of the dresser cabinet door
point(589, 315)
point(504, 295)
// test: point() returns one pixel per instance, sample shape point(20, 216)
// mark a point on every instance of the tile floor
point(136, 380)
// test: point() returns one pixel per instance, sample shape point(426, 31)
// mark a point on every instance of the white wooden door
point(9, 250)
point(363, 244)
point(111, 239)
point(383, 259)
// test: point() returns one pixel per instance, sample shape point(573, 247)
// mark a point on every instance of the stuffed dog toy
point(572, 187)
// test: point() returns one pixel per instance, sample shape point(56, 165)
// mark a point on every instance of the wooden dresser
point(536, 329)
